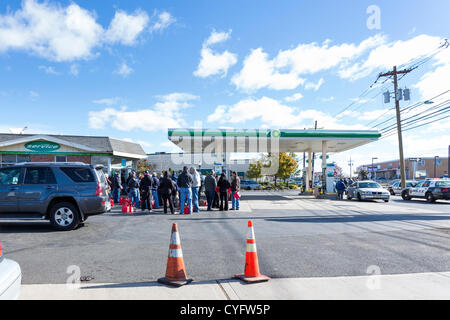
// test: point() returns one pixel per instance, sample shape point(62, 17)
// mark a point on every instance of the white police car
point(431, 190)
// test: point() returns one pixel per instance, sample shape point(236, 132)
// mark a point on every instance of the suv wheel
point(405, 195)
point(64, 216)
point(430, 197)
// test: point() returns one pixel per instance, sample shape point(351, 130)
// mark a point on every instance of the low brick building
point(424, 168)
point(114, 154)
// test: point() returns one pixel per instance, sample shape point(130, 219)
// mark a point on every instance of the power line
point(425, 117)
point(410, 107)
point(418, 126)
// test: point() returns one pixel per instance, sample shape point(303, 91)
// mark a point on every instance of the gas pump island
point(205, 142)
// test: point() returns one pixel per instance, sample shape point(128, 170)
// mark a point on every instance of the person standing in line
point(235, 191)
point(155, 185)
point(146, 189)
point(133, 190)
point(340, 188)
point(223, 185)
point(210, 189)
point(195, 187)
point(216, 194)
point(166, 189)
point(117, 187)
point(184, 183)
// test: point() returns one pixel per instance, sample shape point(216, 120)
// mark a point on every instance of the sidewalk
point(405, 286)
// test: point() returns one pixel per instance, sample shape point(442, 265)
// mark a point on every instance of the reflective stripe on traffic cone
point(251, 271)
point(175, 271)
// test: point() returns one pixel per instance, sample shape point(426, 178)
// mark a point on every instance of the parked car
point(250, 185)
point(367, 190)
point(64, 193)
point(10, 278)
point(396, 188)
point(431, 190)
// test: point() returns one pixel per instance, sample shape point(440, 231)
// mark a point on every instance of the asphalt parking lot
point(296, 236)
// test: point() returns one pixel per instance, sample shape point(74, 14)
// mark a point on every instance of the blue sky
point(130, 69)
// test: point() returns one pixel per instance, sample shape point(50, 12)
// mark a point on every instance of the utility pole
point(395, 73)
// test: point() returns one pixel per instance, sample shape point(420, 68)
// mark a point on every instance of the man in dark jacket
point(340, 188)
point(185, 182)
point(166, 189)
point(117, 186)
point(210, 188)
point(223, 185)
point(146, 191)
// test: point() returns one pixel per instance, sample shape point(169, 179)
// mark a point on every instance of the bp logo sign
point(275, 133)
point(42, 146)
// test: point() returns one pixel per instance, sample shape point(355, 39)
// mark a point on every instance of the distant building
point(424, 168)
point(204, 163)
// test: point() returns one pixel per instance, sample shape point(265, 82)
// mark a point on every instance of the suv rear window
point(79, 174)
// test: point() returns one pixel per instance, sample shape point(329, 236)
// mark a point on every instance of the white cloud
point(125, 28)
point(34, 94)
point(294, 97)
point(165, 19)
point(434, 82)
point(67, 33)
point(271, 113)
point(284, 71)
point(391, 54)
point(74, 70)
point(329, 99)
point(49, 70)
point(108, 101)
point(124, 70)
point(165, 114)
point(314, 86)
point(211, 62)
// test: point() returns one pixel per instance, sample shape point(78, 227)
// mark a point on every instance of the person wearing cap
point(146, 189)
point(195, 187)
point(223, 185)
point(166, 189)
point(185, 182)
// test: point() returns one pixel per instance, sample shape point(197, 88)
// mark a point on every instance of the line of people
point(184, 190)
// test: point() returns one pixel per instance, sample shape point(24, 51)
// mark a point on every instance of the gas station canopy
point(248, 140)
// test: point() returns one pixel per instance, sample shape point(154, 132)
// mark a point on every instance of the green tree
point(363, 174)
point(254, 170)
point(144, 165)
point(287, 165)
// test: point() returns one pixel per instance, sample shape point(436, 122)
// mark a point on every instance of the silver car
point(367, 190)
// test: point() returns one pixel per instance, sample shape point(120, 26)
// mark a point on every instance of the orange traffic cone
point(251, 271)
point(175, 271)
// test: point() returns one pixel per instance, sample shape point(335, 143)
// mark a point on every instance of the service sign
point(42, 146)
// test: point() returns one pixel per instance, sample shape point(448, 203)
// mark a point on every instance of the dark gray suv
point(64, 193)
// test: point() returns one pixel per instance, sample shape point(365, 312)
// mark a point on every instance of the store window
point(23, 158)
point(8, 159)
point(60, 158)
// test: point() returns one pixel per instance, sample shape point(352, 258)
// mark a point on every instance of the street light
point(372, 173)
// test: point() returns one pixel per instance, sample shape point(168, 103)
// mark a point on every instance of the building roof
point(90, 143)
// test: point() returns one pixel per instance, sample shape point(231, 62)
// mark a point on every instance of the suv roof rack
point(49, 163)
